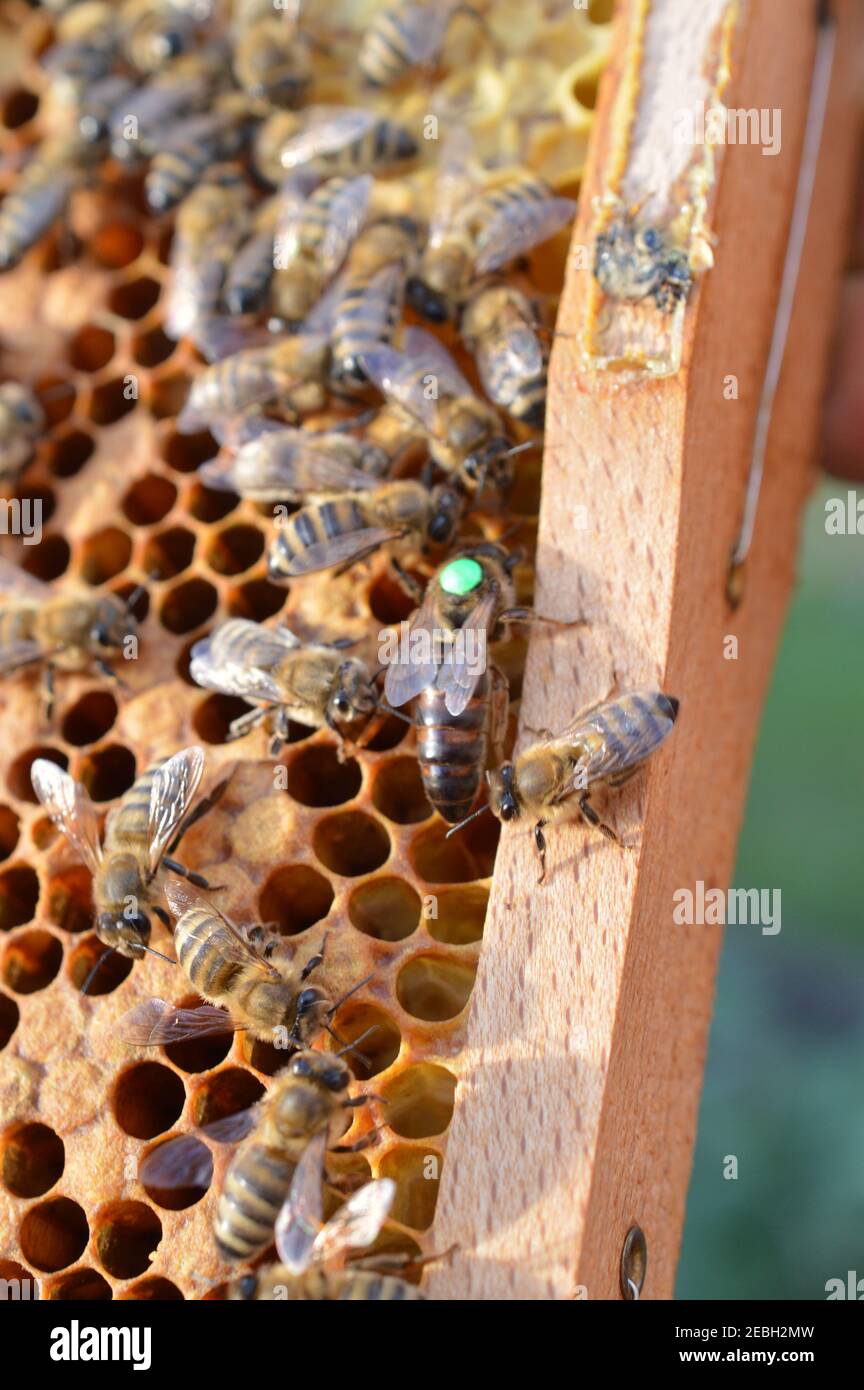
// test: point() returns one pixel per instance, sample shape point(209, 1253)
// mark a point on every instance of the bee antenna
point(91, 974)
point(154, 952)
point(353, 990)
point(473, 816)
point(352, 1046)
point(396, 713)
point(520, 448)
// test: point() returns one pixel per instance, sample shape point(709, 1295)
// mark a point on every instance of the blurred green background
point(784, 1084)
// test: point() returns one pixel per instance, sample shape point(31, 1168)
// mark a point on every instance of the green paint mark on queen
point(461, 576)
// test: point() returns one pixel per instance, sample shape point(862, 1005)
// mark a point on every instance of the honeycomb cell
point(9, 1017)
point(104, 555)
point(212, 719)
point(235, 549)
point(585, 90)
point(316, 777)
point(198, 1054)
point(351, 843)
point(53, 1234)
point(458, 916)
point(209, 504)
point(57, 398)
point(199, 1159)
point(188, 606)
point(19, 894)
point(152, 348)
point(257, 600)
point(49, 559)
point(601, 11)
point(111, 400)
point(434, 988)
point(141, 606)
point(168, 395)
point(95, 969)
point(149, 500)
point(43, 833)
point(90, 718)
point(10, 829)
point(464, 857)
point(32, 1159)
point(184, 452)
point(229, 1092)
point(263, 1056)
point(387, 909)
point(169, 552)
point(126, 1234)
point(69, 899)
point(20, 1279)
point(389, 602)
point(31, 961)
point(397, 791)
point(135, 298)
point(114, 246)
point(148, 1099)
point(389, 734)
point(42, 503)
point(295, 897)
point(91, 348)
point(156, 1290)
point(417, 1175)
point(108, 772)
point(19, 107)
point(18, 778)
point(377, 1052)
point(419, 1101)
point(79, 1286)
point(68, 455)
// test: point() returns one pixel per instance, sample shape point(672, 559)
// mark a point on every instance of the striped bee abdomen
point(256, 1184)
point(452, 749)
point(313, 525)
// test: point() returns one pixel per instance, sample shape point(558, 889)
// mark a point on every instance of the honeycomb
point(348, 848)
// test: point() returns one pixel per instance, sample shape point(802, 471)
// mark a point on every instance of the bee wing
point(458, 675)
point(454, 184)
point(518, 227)
point(341, 551)
point(422, 27)
point(407, 678)
point(14, 655)
point(212, 667)
point(423, 349)
point(394, 375)
point(329, 128)
point(196, 280)
point(171, 794)
point(218, 337)
point(347, 215)
point(69, 806)
point(185, 1162)
point(156, 1023)
point(373, 304)
point(294, 462)
point(299, 1220)
point(182, 898)
point(626, 745)
point(357, 1223)
point(14, 580)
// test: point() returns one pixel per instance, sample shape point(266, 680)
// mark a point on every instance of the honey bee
point(312, 239)
point(87, 38)
point(154, 32)
point(22, 421)
point(305, 1105)
point(475, 232)
point(287, 371)
point(191, 147)
point(41, 194)
point(271, 60)
point(322, 141)
point(312, 1253)
point(312, 683)
point(210, 225)
point(464, 433)
point(633, 261)
point(61, 631)
point(371, 288)
point(251, 270)
point(273, 462)
point(499, 327)
point(404, 36)
point(606, 744)
point(140, 124)
point(141, 835)
point(351, 525)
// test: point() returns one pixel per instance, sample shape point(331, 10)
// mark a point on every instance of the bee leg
point(365, 1143)
point(280, 732)
point(197, 880)
point(407, 581)
point(48, 691)
point(527, 615)
point(110, 674)
point(240, 726)
point(163, 917)
point(204, 805)
point(591, 816)
point(540, 842)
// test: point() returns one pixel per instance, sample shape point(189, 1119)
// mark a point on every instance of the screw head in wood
point(634, 1264)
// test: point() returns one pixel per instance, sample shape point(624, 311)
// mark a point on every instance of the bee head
point(324, 1068)
point(502, 793)
point(428, 303)
point(492, 465)
point(128, 932)
point(352, 694)
point(447, 506)
point(112, 624)
point(245, 1288)
point(24, 405)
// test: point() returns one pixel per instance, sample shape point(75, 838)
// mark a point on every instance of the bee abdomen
point(200, 956)
point(383, 57)
point(358, 327)
point(310, 526)
point(256, 1184)
point(452, 750)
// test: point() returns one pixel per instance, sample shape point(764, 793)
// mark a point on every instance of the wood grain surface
point(590, 1016)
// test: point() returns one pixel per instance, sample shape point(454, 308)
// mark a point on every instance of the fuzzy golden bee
point(634, 261)
point(270, 58)
point(61, 631)
point(351, 525)
point(22, 421)
point(188, 149)
point(402, 38)
point(314, 684)
point(501, 328)
point(313, 235)
point(312, 1252)
point(605, 745)
point(271, 462)
point(368, 304)
point(258, 371)
point(141, 835)
point(321, 142)
point(210, 226)
point(41, 194)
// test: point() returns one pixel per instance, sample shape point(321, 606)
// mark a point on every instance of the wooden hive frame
point(580, 1060)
